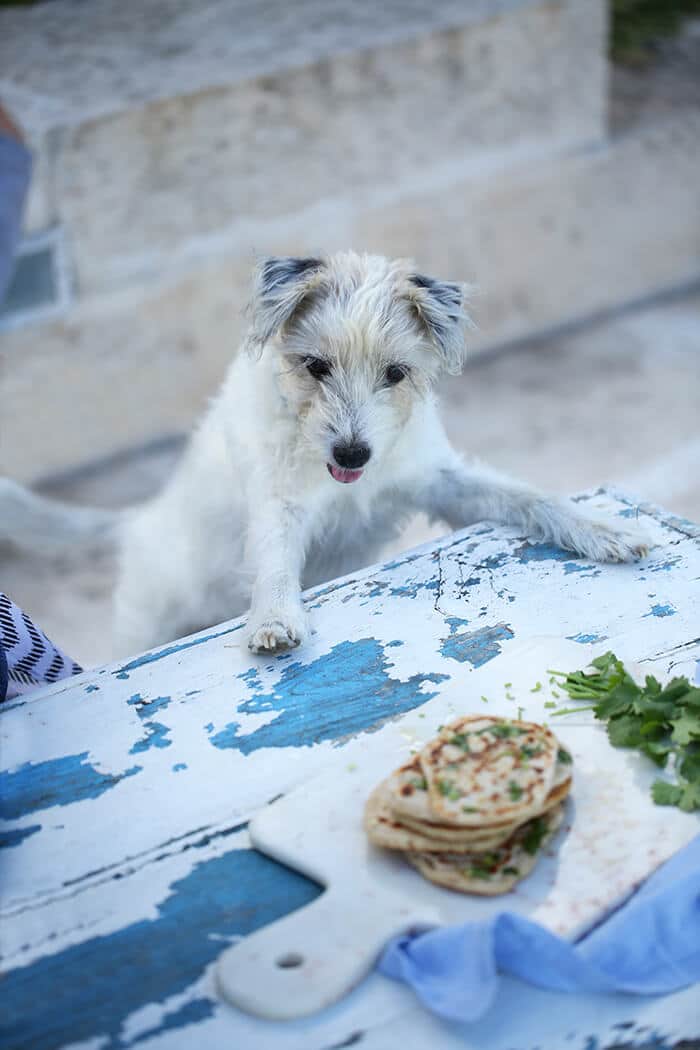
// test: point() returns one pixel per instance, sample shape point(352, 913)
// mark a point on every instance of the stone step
point(160, 130)
point(548, 241)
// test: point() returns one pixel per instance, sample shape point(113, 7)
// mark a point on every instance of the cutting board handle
point(309, 959)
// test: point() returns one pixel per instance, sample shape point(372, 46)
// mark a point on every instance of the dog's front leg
point(275, 551)
point(461, 495)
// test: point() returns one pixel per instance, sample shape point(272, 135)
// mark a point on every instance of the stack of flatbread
point(474, 809)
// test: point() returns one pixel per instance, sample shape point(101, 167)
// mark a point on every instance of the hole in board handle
point(289, 961)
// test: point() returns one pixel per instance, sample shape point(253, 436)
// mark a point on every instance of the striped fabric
point(32, 660)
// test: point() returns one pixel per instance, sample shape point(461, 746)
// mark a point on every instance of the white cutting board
point(613, 837)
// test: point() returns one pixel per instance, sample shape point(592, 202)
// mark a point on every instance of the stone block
point(134, 189)
point(557, 241)
point(118, 372)
point(548, 243)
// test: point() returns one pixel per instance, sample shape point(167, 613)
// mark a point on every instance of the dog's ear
point(440, 307)
point(280, 287)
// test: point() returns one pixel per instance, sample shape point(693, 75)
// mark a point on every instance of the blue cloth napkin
point(649, 946)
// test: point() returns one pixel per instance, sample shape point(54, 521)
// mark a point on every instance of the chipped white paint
point(123, 792)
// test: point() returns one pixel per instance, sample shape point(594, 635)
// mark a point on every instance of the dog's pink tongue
point(344, 476)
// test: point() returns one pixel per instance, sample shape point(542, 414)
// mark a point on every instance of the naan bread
point(385, 829)
point(483, 771)
point(408, 791)
point(492, 872)
point(480, 838)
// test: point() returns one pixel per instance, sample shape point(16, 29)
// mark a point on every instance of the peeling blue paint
point(660, 610)
point(318, 597)
point(346, 691)
point(251, 677)
point(92, 688)
point(156, 732)
point(406, 559)
point(575, 566)
point(455, 622)
point(13, 836)
point(89, 990)
point(586, 639)
point(476, 647)
point(156, 736)
point(57, 782)
point(160, 654)
point(191, 1013)
point(146, 708)
point(528, 552)
point(179, 766)
point(628, 512)
point(666, 565)
point(411, 590)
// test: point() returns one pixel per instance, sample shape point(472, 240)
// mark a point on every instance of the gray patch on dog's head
point(281, 285)
point(440, 308)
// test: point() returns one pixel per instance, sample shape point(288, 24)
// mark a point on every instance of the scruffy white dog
point(324, 438)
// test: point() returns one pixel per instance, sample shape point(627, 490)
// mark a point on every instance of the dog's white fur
point(253, 516)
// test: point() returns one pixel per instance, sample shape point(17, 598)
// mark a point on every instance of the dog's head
point(359, 339)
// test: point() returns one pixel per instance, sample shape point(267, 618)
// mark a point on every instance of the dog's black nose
point(352, 457)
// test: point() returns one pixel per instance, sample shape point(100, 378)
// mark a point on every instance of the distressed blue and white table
point(126, 867)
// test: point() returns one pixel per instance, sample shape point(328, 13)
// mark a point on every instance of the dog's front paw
point(602, 542)
point(275, 634)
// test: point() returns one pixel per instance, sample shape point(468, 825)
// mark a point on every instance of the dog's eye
point(394, 374)
point(317, 367)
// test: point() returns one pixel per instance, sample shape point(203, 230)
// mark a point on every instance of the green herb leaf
point(661, 722)
point(665, 794)
point(483, 866)
point(536, 831)
point(449, 790)
point(460, 740)
point(503, 730)
point(528, 751)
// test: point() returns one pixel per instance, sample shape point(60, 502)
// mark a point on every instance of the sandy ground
point(617, 401)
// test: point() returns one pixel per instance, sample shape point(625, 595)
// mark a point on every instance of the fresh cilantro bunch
point(660, 721)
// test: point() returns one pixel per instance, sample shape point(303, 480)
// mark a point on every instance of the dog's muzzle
point(349, 462)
